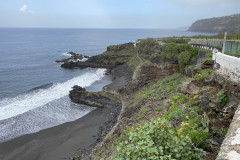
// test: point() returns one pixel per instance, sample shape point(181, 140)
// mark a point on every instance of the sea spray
point(14, 106)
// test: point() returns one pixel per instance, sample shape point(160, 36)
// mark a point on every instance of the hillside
point(229, 24)
point(171, 108)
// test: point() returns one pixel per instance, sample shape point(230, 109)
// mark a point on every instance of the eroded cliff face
point(217, 25)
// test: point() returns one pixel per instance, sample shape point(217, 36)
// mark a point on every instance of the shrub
point(203, 74)
point(147, 63)
point(169, 51)
point(223, 98)
point(175, 40)
point(156, 140)
point(194, 51)
point(184, 59)
point(169, 66)
point(184, 47)
point(147, 46)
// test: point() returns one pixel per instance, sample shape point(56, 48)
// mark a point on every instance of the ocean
point(34, 88)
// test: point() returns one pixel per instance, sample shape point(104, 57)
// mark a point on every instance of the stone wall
point(227, 70)
point(228, 67)
point(230, 149)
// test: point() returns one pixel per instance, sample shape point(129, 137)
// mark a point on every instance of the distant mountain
point(217, 24)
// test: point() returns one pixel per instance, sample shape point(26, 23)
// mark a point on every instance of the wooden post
point(224, 42)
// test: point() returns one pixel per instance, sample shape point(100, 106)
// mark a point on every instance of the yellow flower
point(179, 131)
point(187, 117)
point(183, 124)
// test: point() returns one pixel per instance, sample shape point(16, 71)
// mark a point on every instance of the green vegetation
point(228, 24)
point(177, 40)
point(205, 73)
point(180, 134)
point(184, 59)
point(147, 63)
point(133, 62)
point(169, 51)
point(121, 53)
point(230, 36)
point(223, 98)
point(101, 151)
point(223, 131)
point(166, 85)
point(183, 53)
point(186, 39)
point(147, 46)
point(156, 140)
point(160, 121)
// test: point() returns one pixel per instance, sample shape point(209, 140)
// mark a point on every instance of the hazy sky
point(111, 13)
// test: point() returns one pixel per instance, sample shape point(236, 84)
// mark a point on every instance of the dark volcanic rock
point(205, 103)
point(100, 61)
point(74, 58)
point(95, 99)
point(106, 60)
point(207, 64)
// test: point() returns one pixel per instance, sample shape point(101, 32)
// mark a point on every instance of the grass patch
point(134, 62)
point(167, 85)
point(101, 151)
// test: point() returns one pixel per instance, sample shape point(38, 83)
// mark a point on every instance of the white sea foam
point(14, 106)
point(52, 114)
point(66, 54)
point(84, 59)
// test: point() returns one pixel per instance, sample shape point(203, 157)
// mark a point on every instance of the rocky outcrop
point(102, 99)
point(99, 61)
point(149, 73)
point(114, 56)
point(74, 58)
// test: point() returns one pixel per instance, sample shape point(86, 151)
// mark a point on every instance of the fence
point(232, 47)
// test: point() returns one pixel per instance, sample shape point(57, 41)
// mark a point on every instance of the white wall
point(229, 67)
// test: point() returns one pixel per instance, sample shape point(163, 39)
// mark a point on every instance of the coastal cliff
point(228, 24)
point(170, 87)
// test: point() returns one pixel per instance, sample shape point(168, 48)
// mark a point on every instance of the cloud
point(24, 8)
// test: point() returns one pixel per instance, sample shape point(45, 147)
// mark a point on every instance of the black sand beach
point(62, 142)
point(56, 143)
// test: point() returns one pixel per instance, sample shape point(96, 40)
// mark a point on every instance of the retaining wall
point(228, 67)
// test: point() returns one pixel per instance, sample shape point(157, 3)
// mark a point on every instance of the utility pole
point(224, 42)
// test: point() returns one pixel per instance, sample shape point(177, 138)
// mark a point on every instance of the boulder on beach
point(102, 99)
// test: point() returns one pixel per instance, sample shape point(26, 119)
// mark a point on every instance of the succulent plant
point(193, 114)
point(201, 120)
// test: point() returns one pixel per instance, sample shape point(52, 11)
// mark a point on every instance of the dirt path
point(111, 131)
point(137, 68)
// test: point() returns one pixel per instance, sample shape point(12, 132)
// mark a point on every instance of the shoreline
point(58, 142)
point(61, 142)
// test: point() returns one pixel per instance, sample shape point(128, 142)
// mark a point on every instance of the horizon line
point(179, 28)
